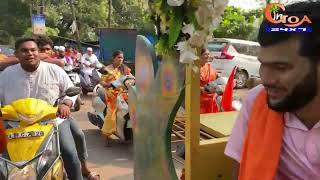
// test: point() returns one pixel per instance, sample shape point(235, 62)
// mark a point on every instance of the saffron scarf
point(262, 146)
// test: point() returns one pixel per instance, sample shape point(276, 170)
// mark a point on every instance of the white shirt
point(46, 83)
point(86, 59)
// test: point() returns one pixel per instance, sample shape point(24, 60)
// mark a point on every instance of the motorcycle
point(87, 87)
point(73, 73)
point(33, 150)
point(124, 126)
point(218, 86)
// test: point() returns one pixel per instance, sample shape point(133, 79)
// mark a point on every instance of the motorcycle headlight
point(48, 156)
point(45, 160)
point(26, 173)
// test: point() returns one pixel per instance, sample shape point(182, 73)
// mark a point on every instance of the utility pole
point(42, 6)
point(31, 10)
point(71, 2)
point(110, 12)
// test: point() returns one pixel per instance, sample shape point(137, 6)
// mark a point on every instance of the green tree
point(15, 19)
point(239, 24)
point(130, 14)
point(49, 31)
point(93, 14)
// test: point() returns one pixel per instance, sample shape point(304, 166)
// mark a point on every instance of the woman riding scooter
point(115, 71)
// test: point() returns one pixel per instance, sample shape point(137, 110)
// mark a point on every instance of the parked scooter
point(33, 150)
point(218, 86)
point(86, 86)
point(124, 127)
point(73, 73)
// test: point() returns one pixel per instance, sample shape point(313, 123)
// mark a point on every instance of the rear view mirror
point(73, 91)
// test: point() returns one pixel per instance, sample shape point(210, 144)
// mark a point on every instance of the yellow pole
point(192, 128)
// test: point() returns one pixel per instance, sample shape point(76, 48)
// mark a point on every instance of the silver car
point(228, 53)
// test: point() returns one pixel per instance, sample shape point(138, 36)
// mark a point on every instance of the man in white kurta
point(32, 78)
point(89, 61)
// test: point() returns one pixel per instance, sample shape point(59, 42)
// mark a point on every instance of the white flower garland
point(208, 15)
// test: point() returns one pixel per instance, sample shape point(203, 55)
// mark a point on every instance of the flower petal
point(175, 2)
point(188, 29)
point(187, 57)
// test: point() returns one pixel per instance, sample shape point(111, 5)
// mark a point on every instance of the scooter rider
point(89, 61)
point(45, 55)
point(115, 71)
point(45, 45)
point(62, 55)
point(41, 80)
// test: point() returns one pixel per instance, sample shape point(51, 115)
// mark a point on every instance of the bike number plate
point(26, 134)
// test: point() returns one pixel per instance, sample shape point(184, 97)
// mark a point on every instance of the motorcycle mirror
point(73, 91)
point(129, 81)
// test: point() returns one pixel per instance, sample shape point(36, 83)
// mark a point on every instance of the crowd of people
point(36, 72)
point(274, 137)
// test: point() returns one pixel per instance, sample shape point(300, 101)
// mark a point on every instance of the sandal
point(92, 176)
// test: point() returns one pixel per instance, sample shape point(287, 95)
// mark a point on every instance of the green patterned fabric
point(152, 110)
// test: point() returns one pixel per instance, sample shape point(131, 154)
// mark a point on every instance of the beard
point(302, 94)
point(30, 67)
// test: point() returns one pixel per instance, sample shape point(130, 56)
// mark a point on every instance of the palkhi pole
point(75, 20)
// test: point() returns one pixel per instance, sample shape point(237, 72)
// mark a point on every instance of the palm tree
point(275, 9)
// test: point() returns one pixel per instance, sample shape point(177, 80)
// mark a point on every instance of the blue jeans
point(73, 148)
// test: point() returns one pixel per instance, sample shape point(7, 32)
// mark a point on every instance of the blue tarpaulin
point(117, 39)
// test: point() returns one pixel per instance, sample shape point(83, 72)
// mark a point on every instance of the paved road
point(112, 163)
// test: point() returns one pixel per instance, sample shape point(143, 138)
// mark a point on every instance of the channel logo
point(276, 14)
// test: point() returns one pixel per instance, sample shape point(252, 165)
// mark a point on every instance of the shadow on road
point(119, 154)
point(124, 177)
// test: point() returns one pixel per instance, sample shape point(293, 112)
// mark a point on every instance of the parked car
point(228, 53)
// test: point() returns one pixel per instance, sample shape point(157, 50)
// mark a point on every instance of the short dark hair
point(309, 42)
point(116, 53)
point(44, 40)
point(20, 41)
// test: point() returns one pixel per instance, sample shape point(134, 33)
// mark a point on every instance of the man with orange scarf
point(276, 136)
point(207, 74)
